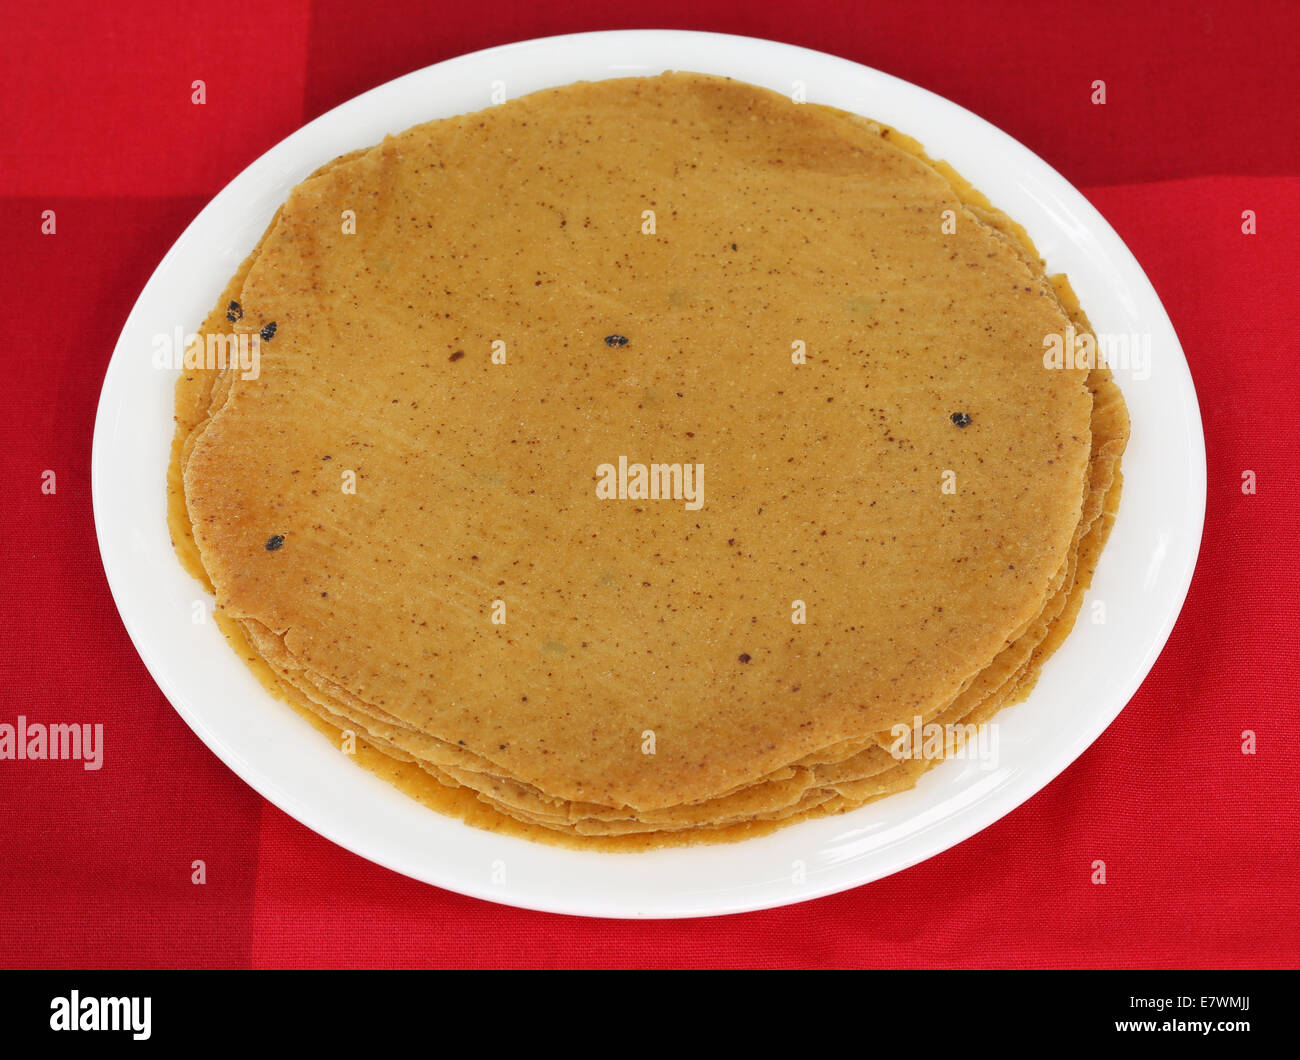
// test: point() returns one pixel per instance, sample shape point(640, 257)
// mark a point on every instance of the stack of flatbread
point(407, 513)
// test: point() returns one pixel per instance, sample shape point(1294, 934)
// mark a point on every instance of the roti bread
point(831, 336)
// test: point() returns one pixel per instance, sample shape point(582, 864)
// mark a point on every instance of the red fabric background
point(1202, 844)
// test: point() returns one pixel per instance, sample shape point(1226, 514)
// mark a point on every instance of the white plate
point(1143, 576)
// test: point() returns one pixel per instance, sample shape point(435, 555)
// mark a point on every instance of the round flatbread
point(633, 457)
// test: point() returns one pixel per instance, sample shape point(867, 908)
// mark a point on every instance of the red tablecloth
point(1202, 843)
